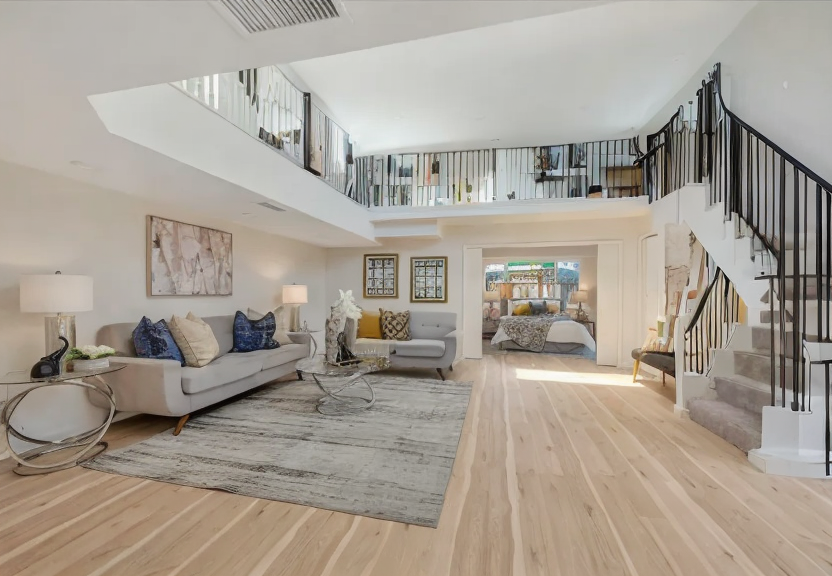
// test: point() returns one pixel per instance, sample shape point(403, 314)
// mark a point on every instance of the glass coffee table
point(43, 456)
point(345, 387)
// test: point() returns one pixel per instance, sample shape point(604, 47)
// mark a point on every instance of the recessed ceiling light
point(246, 213)
point(81, 165)
point(495, 139)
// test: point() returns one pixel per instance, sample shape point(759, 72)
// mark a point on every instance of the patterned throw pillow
point(395, 325)
point(553, 307)
point(281, 335)
point(251, 335)
point(155, 341)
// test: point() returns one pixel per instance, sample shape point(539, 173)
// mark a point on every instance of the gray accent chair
point(432, 344)
point(165, 388)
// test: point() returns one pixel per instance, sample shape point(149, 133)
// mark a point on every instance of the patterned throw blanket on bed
point(528, 331)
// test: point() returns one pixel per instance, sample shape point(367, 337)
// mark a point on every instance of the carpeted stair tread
point(742, 428)
point(766, 318)
point(745, 393)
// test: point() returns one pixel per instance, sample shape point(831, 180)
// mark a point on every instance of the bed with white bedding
point(563, 336)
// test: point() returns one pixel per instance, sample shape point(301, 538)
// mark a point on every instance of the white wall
point(777, 42)
point(50, 223)
point(344, 266)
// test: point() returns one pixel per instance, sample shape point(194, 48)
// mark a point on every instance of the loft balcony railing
point(602, 169)
point(269, 107)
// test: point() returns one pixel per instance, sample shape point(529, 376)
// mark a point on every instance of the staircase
point(765, 219)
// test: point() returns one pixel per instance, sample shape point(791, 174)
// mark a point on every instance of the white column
point(472, 279)
point(608, 327)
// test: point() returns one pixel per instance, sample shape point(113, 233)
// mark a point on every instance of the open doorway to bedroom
point(540, 299)
point(600, 272)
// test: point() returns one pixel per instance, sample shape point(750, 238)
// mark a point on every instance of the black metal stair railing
point(710, 326)
point(784, 207)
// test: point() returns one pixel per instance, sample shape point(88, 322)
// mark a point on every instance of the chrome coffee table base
point(84, 446)
point(335, 402)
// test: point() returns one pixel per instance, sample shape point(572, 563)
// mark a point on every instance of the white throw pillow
point(280, 334)
point(195, 339)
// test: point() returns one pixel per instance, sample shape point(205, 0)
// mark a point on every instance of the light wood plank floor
point(564, 468)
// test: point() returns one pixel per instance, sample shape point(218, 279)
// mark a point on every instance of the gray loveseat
point(165, 388)
point(432, 344)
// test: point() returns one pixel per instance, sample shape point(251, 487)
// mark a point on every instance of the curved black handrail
point(668, 125)
point(789, 158)
point(703, 302)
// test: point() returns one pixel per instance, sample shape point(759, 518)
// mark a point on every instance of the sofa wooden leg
point(635, 370)
point(300, 375)
point(441, 375)
point(180, 424)
point(664, 377)
point(451, 368)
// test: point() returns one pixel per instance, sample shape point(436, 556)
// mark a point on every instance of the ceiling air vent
point(271, 206)
point(263, 15)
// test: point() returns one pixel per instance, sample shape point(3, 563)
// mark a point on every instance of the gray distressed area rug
point(391, 462)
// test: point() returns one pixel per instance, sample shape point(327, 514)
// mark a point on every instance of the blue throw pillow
point(155, 341)
point(251, 335)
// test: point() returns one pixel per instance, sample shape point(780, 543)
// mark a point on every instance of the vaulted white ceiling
point(55, 54)
point(597, 73)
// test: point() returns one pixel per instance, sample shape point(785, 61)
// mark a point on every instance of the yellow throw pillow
point(195, 339)
point(553, 307)
point(522, 310)
point(369, 326)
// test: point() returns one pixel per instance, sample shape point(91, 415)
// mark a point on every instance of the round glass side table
point(77, 448)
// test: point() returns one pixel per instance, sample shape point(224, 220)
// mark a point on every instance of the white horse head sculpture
point(345, 307)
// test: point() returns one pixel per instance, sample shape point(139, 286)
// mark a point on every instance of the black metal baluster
point(781, 276)
point(796, 385)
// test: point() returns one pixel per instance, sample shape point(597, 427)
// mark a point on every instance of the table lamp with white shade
point(580, 297)
point(295, 295)
point(56, 294)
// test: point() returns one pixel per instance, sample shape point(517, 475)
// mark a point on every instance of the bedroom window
point(494, 273)
point(568, 278)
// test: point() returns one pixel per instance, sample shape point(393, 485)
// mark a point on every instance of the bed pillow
point(251, 335)
point(195, 339)
point(522, 310)
point(395, 325)
point(281, 335)
point(155, 341)
point(369, 325)
point(537, 308)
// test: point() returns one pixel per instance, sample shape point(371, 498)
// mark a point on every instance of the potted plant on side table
point(89, 357)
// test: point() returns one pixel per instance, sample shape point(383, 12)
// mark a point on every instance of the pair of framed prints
point(428, 277)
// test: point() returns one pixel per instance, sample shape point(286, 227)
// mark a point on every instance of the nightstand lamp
point(579, 297)
point(56, 294)
point(295, 295)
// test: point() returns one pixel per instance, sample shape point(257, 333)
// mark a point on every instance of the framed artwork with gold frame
point(429, 279)
point(381, 275)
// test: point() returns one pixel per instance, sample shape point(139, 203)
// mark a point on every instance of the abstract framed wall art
point(187, 260)
point(429, 279)
point(381, 276)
